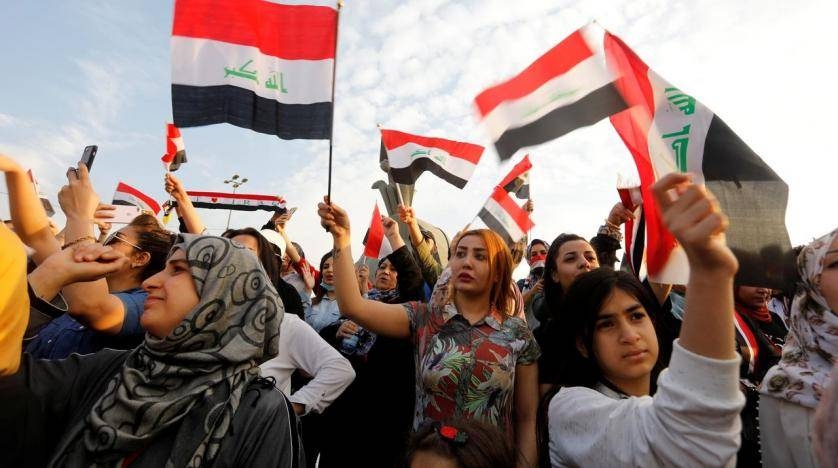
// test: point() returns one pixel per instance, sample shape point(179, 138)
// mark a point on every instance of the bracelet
point(79, 240)
point(612, 225)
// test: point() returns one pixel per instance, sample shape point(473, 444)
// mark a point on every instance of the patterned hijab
point(811, 346)
point(194, 378)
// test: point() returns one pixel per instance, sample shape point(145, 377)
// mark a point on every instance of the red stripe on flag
point(558, 60)
point(291, 32)
point(468, 151)
point(633, 127)
point(235, 196)
point(515, 212)
point(125, 188)
point(523, 166)
point(375, 235)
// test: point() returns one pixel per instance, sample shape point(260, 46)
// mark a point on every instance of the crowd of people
point(148, 347)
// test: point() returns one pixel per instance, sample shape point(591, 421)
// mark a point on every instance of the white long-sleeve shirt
point(300, 347)
point(693, 419)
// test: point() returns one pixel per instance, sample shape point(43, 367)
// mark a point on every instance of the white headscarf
point(811, 346)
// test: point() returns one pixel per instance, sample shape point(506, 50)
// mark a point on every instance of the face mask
point(327, 287)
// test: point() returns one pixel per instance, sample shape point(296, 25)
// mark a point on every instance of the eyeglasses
point(114, 237)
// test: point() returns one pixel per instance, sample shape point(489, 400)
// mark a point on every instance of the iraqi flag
point(635, 230)
point(376, 245)
point(411, 155)
point(236, 201)
point(502, 215)
point(518, 179)
point(567, 88)
point(668, 130)
point(175, 151)
point(127, 195)
point(256, 64)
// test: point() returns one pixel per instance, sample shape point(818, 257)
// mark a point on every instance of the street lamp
point(236, 182)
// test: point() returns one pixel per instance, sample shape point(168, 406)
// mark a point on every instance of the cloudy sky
point(98, 72)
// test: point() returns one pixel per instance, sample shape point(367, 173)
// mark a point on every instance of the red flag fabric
point(376, 245)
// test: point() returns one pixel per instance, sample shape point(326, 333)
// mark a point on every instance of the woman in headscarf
point(189, 395)
point(791, 390)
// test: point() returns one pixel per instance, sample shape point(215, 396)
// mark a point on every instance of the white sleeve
point(693, 419)
point(332, 372)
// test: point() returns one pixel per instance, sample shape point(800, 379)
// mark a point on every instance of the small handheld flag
point(175, 150)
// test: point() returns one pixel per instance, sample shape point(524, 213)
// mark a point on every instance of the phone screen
point(88, 156)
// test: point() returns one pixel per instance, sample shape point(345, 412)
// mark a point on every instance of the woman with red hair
point(472, 359)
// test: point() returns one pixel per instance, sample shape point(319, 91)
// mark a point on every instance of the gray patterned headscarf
point(195, 377)
point(811, 347)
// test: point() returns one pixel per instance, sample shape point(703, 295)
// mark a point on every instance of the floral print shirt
point(467, 370)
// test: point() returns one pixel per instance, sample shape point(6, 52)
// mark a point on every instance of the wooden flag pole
point(332, 127)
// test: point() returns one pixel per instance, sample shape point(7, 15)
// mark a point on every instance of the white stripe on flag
point(204, 62)
point(589, 75)
point(497, 211)
point(401, 157)
point(672, 130)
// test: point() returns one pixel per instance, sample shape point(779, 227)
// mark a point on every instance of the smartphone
point(88, 156)
point(123, 214)
point(291, 210)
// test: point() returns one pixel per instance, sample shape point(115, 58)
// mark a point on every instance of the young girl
point(472, 360)
point(604, 415)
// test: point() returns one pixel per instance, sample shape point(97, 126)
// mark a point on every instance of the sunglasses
point(115, 237)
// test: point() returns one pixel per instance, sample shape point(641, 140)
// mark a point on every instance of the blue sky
point(98, 72)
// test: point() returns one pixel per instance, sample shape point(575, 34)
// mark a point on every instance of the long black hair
point(319, 291)
point(583, 302)
point(553, 292)
point(266, 255)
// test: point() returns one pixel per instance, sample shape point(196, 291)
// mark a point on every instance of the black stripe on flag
point(180, 158)
point(495, 225)
point(235, 207)
point(754, 198)
point(408, 175)
point(589, 110)
point(194, 106)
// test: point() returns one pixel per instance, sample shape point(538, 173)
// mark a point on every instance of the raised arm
point(430, 266)
point(692, 214)
point(384, 319)
point(185, 208)
point(27, 212)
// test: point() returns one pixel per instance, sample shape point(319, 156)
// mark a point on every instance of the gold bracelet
point(80, 239)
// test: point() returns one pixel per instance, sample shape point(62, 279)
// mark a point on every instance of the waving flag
point(502, 215)
point(411, 155)
point(566, 88)
point(376, 245)
point(635, 230)
point(518, 179)
point(236, 201)
point(127, 195)
point(666, 130)
point(175, 151)
point(257, 64)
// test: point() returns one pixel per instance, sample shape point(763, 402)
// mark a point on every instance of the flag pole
point(332, 127)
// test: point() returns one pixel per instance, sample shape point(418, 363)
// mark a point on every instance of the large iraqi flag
point(667, 130)
point(566, 88)
point(257, 64)
point(411, 155)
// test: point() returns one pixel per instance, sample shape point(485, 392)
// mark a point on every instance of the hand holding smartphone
point(121, 214)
